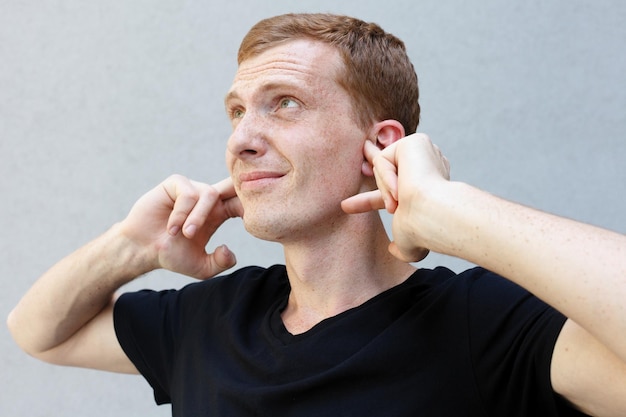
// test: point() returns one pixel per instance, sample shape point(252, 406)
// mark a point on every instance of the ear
point(387, 132)
point(383, 134)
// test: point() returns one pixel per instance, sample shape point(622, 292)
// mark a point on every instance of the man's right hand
point(66, 318)
point(172, 224)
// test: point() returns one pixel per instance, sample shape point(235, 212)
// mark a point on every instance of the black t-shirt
point(438, 345)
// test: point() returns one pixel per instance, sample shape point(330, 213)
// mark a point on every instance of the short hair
point(378, 74)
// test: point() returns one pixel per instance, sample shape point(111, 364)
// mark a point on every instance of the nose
point(248, 139)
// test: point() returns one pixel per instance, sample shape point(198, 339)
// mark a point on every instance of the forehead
point(305, 63)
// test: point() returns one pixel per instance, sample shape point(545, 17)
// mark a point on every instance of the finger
point(371, 151)
point(227, 193)
point(225, 188)
point(386, 174)
point(207, 198)
point(184, 197)
point(363, 202)
point(233, 207)
point(446, 164)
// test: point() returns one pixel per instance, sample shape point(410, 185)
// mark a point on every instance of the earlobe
point(367, 169)
point(387, 132)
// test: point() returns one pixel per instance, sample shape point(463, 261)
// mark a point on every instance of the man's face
point(296, 150)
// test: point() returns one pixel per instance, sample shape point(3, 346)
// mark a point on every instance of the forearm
point(74, 291)
point(577, 268)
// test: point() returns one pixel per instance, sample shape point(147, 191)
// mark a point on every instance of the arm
point(577, 268)
point(66, 317)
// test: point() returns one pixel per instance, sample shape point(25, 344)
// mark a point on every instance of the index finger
point(370, 151)
point(225, 188)
point(385, 171)
point(228, 195)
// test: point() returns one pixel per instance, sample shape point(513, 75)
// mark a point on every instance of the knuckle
point(211, 192)
point(193, 195)
point(205, 191)
point(175, 178)
point(206, 196)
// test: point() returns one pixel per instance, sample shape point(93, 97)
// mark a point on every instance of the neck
point(333, 272)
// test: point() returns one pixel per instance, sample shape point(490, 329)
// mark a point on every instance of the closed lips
point(259, 175)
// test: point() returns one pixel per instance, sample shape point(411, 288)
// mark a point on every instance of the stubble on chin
point(263, 224)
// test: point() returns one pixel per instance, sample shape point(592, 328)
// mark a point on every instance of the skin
point(291, 126)
point(305, 175)
point(577, 268)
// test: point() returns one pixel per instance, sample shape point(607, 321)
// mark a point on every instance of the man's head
point(301, 115)
point(378, 74)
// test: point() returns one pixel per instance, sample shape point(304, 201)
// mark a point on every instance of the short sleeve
point(145, 327)
point(513, 335)
point(168, 334)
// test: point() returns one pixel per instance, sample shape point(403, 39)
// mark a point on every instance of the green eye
point(287, 103)
point(238, 113)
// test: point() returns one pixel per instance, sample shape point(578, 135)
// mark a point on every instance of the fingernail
point(174, 230)
point(227, 252)
point(190, 230)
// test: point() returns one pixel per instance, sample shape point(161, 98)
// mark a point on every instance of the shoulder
point(490, 298)
point(476, 283)
point(492, 307)
point(473, 283)
point(221, 290)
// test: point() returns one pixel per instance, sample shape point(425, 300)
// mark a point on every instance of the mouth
point(258, 179)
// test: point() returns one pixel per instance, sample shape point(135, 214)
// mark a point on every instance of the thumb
point(219, 261)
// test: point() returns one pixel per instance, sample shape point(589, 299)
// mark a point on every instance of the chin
point(264, 228)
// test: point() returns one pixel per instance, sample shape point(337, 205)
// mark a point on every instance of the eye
point(287, 102)
point(236, 113)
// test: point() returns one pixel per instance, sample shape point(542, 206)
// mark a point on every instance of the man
point(320, 107)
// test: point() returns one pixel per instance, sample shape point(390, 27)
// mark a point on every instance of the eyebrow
point(231, 95)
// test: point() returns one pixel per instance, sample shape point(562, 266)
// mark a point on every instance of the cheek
point(342, 168)
point(342, 147)
point(334, 161)
point(230, 160)
point(334, 154)
point(347, 158)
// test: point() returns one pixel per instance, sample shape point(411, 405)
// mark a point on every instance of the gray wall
point(99, 101)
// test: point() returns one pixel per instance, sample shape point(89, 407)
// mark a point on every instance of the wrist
point(443, 221)
point(132, 258)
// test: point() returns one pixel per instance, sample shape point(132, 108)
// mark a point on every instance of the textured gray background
point(99, 101)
